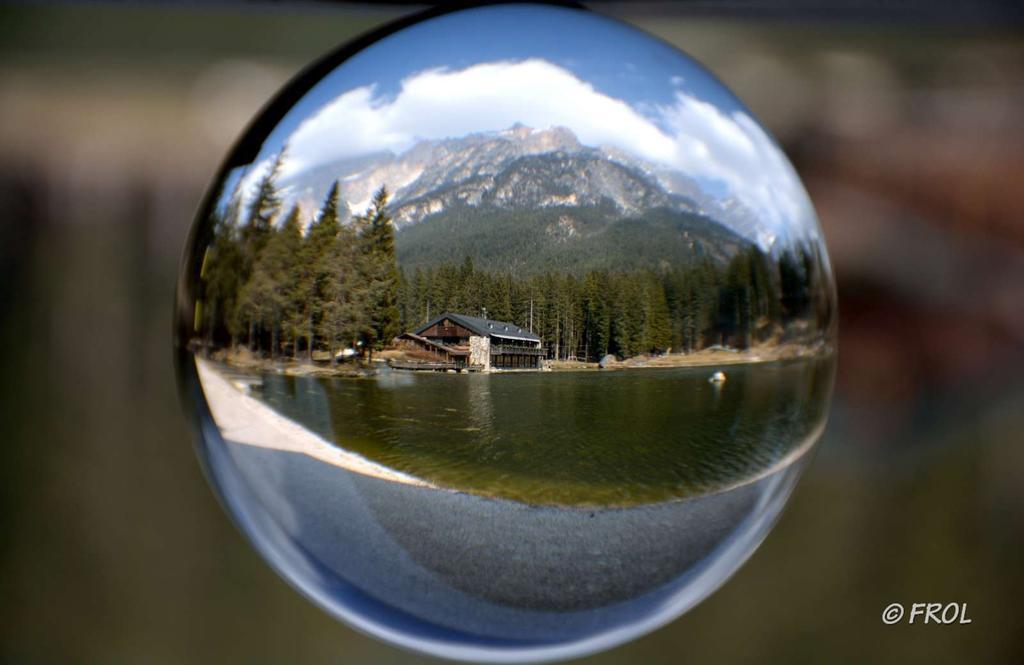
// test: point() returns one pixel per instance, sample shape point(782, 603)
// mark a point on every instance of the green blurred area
point(113, 120)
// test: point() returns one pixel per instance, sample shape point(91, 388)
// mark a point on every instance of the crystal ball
point(506, 334)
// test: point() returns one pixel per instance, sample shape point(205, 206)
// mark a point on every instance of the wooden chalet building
point(470, 342)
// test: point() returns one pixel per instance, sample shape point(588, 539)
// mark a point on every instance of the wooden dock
point(424, 366)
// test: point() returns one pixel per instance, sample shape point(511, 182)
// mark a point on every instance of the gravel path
point(244, 418)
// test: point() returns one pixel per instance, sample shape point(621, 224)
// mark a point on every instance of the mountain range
point(524, 199)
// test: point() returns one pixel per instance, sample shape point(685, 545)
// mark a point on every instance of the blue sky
point(618, 60)
point(488, 68)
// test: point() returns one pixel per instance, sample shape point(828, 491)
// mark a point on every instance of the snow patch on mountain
point(516, 167)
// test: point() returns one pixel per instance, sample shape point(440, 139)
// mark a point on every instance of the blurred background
point(908, 129)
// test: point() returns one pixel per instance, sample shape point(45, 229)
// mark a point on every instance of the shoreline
point(246, 420)
point(709, 357)
point(703, 358)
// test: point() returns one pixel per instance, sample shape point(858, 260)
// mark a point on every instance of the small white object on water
point(717, 377)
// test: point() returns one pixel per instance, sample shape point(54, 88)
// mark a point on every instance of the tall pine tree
point(253, 236)
point(380, 271)
point(319, 255)
point(344, 315)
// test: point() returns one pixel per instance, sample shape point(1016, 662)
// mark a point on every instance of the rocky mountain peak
point(518, 167)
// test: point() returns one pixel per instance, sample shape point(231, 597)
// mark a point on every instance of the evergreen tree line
point(749, 300)
point(336, 286)
point(280, 291)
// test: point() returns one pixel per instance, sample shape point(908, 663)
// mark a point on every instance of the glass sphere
point(506, 334)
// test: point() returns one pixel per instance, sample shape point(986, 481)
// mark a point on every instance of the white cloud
point(442, 103)
point(690, 135)
point(734, 150)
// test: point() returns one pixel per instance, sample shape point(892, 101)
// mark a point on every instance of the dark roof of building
point(484, 327)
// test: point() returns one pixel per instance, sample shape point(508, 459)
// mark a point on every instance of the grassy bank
point(709, 357)
point(242, 358)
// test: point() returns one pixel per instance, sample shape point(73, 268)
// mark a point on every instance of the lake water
point(602, 438)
